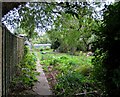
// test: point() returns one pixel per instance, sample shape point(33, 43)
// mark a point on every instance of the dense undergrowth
point(26, 73)
point(107, 51)
point(68, 74)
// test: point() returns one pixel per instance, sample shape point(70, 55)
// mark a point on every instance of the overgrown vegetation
point(71, 33)
point(107, 51)
point(69, 75)
point(26, 74)
point(74, 28)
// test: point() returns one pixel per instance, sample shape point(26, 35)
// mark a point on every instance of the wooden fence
point(12, 52)
point(0, 61)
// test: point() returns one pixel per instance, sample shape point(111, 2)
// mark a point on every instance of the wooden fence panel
point(13, 50)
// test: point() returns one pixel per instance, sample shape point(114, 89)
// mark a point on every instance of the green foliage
point(26, 71)
point(84, 69)
point(107, 55)
point(63, 34)
point(42, 15)
point(43, 49)
point(70, 84)
point(74, 73)
point(35, 15)
point(41, 39)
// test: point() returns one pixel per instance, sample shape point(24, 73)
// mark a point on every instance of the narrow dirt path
point(41, 87)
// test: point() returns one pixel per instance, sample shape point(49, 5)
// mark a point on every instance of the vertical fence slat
point(0, 61)
point(3, 61)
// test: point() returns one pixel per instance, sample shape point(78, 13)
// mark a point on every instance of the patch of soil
point(51, 77)
point(19, 90)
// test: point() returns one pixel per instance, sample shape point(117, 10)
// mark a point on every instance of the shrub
point(72, 83)
point(84, 69)
point(47, 48)
point(27, 74)
point(107, 53)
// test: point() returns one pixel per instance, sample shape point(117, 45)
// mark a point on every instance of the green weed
point(27, 71)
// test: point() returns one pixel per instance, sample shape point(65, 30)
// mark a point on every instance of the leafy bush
point(72, 83)
point(85, 69)
point(107, 55)
point(27, 74)
point(47, 48)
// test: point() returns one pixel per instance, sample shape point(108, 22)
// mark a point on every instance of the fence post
point(0, 61)
point(0, 50)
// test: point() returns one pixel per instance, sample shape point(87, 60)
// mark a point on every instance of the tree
point(41, 15)
point(73, 32)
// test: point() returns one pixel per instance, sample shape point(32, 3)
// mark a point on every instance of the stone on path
point(41, 87)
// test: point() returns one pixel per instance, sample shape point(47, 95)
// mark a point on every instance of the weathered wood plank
point(0, 61)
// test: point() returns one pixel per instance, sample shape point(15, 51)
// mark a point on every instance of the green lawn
point(67, 74)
